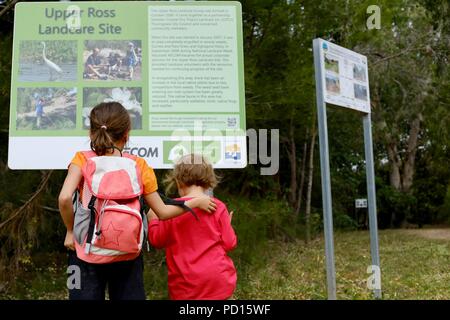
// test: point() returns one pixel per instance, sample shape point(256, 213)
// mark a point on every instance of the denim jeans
point(123, 279)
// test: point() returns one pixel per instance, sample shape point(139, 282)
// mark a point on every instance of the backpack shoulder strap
point(91, 227)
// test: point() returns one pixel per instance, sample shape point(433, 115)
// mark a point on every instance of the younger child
point(196, 249)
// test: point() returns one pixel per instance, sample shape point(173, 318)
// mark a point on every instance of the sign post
point(372, 202)
point(325, 174)
point(342, 79)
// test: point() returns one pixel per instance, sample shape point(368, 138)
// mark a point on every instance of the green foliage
point(5, 80)
point(444, 211)
point(397, 206)
point(344, 222)
point(432, 180)
point(92, 97)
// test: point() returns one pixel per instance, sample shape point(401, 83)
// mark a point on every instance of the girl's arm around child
point(158, 232)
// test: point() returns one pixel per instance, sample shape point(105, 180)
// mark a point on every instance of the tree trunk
point(302, 176)
point(310, 184)
point(410, 160)
point(394, 174)
point(292, 153)
point(401, 171)
point(394, 167)
point(409, 163)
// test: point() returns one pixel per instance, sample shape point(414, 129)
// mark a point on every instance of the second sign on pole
point(342, 79)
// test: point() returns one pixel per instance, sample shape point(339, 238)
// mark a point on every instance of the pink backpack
point(109, 223)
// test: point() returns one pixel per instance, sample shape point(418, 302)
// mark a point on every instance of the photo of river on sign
point(46, 108)
point(54, 61)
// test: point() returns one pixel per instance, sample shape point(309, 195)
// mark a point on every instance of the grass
point(414, 266)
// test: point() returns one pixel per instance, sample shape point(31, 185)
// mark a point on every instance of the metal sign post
point(325, 174)
point(370, 177)
point(342, 79)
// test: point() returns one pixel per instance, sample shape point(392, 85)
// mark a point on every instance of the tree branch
point(410, 49)
point(41, 187)
point(8, 6)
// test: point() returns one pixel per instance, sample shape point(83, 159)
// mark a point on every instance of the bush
point(444, 211)
point(344, 222)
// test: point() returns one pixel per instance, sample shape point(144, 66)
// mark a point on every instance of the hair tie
point(104, 127)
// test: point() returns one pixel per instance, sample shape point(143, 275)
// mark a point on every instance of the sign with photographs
point(345, 77)
point(342, 79)
point(177, 67)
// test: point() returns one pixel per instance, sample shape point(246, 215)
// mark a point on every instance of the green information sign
point(177, 67)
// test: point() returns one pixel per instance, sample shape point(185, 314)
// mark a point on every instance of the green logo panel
point(173, 150)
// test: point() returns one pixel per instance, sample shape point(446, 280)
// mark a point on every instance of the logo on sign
point(143, 152)
point(232, 152)
point(174, 150)
point(177, 152)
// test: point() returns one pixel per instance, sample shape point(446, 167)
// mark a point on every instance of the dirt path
point(440, 234)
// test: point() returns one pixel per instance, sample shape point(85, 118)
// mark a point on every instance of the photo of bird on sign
point(47, 61)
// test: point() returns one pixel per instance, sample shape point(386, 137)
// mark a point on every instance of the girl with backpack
point(196, 249)
point(105, 221)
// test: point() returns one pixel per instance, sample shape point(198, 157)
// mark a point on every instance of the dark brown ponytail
point(110, 123)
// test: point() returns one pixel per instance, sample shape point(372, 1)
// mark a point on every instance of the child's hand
point(205, 203)
point(69, 241)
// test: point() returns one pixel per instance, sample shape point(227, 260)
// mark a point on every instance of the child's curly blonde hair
point(192, 169)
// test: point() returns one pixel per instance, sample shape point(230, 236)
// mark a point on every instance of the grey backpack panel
point(81, 223)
